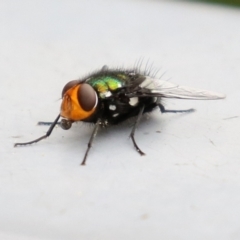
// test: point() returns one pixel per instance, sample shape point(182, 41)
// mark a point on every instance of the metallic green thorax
point(104, 85)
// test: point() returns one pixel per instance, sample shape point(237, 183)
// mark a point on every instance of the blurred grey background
point(188, 184)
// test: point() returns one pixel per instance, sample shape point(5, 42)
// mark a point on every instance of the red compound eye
point(87, 97)
point(69, 85)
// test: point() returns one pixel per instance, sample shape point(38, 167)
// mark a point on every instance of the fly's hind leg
point(133, 131)
point(163, 110)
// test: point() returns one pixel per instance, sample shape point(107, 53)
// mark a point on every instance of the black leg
point(133, 131)
point(163, 110)
point(43, 137)
point(47, 123)
point(94, 133)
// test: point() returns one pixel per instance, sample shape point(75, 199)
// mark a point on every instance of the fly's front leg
point(53, 124)
point(94, 133)
point(163, 110)
point(47, 123)
point(65, 124)
point(133, 131)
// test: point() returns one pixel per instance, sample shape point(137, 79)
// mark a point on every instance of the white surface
point(188, 184)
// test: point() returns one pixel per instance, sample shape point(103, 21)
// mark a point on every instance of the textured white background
point(188, 184)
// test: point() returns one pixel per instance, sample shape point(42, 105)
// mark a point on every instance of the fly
point(111, 96)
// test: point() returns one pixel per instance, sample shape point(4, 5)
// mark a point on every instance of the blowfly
point(111, 96)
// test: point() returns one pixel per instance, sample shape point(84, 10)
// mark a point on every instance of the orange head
point(79, 101)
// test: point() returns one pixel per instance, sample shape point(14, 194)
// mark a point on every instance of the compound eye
point(69, 85)
point(87, 97)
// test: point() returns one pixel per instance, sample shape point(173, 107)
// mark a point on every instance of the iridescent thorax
point(104, 85)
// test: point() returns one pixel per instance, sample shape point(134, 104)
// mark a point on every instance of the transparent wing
point(159, 88)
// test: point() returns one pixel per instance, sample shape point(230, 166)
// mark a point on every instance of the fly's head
point(79, 102)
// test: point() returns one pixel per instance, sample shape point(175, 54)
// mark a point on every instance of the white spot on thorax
point(133, 101)
point(105, 94)
point(112, 107)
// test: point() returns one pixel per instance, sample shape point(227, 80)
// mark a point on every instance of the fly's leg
point(43, 137)
point(163, 110)
point(47, 123)
point(94, 133)
point(64, 123)
point(133, 131)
